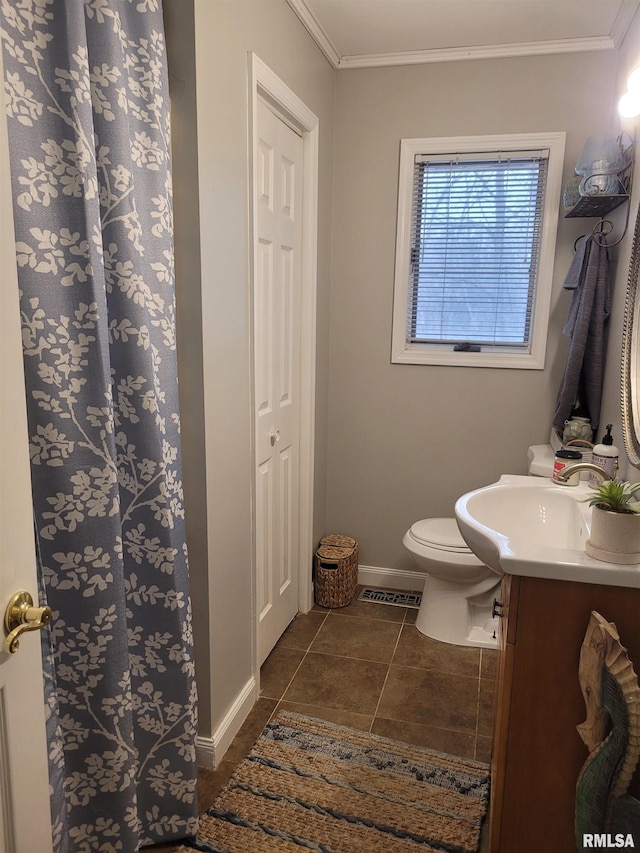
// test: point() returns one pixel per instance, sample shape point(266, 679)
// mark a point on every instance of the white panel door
point(277, 372)
point(25, 819)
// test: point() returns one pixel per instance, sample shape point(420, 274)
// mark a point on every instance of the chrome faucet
point(563, 475)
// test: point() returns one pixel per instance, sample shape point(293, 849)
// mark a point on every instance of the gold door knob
point(21, 616)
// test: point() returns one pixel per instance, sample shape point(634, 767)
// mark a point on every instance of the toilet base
point(450, 617)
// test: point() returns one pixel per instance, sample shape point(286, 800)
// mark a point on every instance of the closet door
point(277, 373)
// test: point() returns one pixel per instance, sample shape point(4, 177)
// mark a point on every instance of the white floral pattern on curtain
point(88, 117)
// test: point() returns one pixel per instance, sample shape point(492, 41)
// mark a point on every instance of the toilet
point(458, 595)
point(457, 601)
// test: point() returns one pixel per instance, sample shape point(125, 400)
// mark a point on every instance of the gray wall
point(406, 440)
point(209, 42)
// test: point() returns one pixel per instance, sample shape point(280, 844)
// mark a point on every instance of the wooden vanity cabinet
point(537, 752)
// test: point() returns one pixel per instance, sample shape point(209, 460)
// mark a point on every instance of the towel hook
point(601, 231)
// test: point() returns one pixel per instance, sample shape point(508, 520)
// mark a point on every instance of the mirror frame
point(630, 374)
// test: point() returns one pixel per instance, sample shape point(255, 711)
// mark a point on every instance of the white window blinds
point(475, 248)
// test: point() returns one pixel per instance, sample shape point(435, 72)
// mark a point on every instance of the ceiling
point(367, 33)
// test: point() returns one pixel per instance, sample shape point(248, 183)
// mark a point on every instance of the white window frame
point(404, 351)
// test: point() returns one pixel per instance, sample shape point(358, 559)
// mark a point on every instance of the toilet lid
point(440, 533)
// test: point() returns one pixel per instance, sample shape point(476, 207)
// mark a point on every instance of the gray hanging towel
point(588, 278)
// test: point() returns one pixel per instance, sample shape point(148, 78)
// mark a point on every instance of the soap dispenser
point(606, 456)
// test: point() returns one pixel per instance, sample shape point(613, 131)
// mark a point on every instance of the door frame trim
point(265, 84)
point(23, 732)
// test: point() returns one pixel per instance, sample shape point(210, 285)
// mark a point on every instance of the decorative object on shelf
point(600, 162)
point(615, 523)
point(571, 194)
point(611, 733)
point(606, 169)
point(577, 427)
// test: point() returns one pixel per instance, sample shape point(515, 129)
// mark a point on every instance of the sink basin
point(519, 523)
point(531, 526)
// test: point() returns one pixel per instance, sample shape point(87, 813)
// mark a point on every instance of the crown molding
point(623, 21)
point(488, 51)
point(315, 31)
point(456, 54)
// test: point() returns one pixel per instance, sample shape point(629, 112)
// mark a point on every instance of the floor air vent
point(389, 596)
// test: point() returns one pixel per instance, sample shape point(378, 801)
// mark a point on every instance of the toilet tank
point(541, 458)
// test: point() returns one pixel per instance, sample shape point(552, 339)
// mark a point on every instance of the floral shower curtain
point(88, 117)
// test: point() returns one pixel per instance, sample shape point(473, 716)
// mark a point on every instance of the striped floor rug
point(312, 785)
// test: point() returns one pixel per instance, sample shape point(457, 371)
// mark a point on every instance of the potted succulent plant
point(615, 522)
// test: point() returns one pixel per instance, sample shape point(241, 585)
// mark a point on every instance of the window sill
point(444, 356)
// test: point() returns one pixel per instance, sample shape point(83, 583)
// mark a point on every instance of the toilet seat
point(440, 533)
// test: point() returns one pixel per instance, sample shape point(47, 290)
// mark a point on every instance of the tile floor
point(367, 666)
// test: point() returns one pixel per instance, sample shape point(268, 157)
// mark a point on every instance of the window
point(477, 218)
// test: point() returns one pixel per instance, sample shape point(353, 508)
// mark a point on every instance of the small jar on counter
point(562, 459)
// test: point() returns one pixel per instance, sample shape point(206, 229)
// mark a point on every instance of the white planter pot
point(615, 536)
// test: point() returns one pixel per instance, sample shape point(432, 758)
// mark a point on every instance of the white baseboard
point(205, 753)
point(210, 750)
point(391, 578)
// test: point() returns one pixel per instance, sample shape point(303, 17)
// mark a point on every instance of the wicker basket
point(336, 571)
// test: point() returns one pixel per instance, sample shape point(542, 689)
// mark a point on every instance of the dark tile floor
point(367, 666)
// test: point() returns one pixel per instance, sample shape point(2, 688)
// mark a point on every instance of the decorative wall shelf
point(598, 205)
